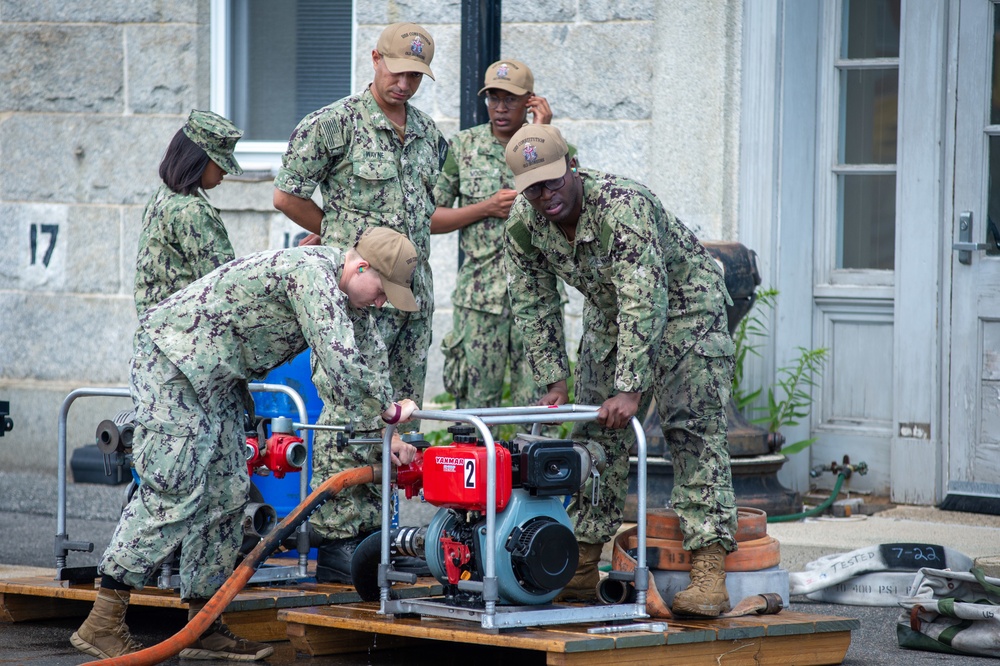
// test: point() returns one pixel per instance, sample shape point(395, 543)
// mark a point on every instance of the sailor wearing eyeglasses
point(654, 323)
point(473, 195)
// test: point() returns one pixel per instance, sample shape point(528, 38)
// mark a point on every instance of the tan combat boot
point(583, 585)
point(104, 633)
point(706, 596)
point(218, 642)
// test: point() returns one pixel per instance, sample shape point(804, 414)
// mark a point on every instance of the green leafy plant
point(790, 403)
point(751, 329)
point(790, 399)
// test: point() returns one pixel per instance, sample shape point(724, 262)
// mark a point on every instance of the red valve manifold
point(283, 454)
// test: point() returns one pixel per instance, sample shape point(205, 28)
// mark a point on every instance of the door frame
point(969, 156)
point(778, 190)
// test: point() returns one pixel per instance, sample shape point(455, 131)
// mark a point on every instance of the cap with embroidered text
point(217, 136)
point(510, 75)
point(406, 47)
point(394, 257)
point(536, 153)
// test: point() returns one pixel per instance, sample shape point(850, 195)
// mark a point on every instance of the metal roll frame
point(494, 617)
point(62, 543)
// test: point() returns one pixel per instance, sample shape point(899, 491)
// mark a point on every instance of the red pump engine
point(455, 475)
point(535, 551)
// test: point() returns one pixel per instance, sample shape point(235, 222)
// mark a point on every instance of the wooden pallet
point(252, 613)
point(786, 638)
point(322, 619)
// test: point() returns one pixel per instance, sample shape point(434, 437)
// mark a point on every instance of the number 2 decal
point(470, 473)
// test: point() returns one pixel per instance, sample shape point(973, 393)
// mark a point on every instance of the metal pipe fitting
point(259, 519)
point(611, 591)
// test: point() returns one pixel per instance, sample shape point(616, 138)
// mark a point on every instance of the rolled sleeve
point(295, 184)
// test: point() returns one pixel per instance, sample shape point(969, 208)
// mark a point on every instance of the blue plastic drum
point(283, 493)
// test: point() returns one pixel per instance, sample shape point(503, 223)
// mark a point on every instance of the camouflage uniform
point(368, 177)
point(483, 338)
point(193, 353)
point(654, 321)
point(182, 239)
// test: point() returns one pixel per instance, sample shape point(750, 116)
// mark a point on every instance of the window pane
point(287, 58)
point(871, 29)
point(868, 120)
point(867, 222)
point(992, 221)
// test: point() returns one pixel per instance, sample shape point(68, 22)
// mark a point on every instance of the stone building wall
point(91, 92)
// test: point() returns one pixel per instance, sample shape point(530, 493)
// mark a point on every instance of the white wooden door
point(972, 466)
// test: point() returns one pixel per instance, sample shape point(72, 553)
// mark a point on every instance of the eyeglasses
point(533, 191)
point(507, 102)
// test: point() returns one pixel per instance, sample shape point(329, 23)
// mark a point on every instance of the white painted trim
point(827, 131)
point(760, 158)
point(252, 155)
point(795, 233)
point(219, 49)
point(945, 258)
point(973, 288)
point(777, 166)
point(921, 239)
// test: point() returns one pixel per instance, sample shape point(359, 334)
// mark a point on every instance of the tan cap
point(406, 47)
point(394, 257)
point(510, 75)
point(536, 153)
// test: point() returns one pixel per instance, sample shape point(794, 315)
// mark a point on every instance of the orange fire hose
point(238, 579)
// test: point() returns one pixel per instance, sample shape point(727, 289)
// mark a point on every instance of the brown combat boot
point(706, 596)
point(104, 633)
point(583, 585)
point(218, 642)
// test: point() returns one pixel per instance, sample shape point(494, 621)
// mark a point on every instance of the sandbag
point(952, 612)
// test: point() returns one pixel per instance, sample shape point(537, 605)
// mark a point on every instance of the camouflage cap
point(394, 257)
point(215, 135)
point(536, 153)
point(406, 47)
point(510, 75)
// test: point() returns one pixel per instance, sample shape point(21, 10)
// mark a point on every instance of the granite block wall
point(92, 91)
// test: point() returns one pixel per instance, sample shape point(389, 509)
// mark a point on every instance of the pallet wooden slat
point(30, 598)
point(787, 638)
point(365, 617)
point(302, 613)
point(817, 649)
point(829, 647)
point(23, 608)
point(314, 641)
point(262, 624)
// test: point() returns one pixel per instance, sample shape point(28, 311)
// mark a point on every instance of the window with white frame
point(274, 62)
point(867, 74)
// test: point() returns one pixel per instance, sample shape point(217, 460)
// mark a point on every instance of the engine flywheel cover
point(545, 555)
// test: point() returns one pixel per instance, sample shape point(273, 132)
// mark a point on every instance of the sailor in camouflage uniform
point(375, 159)
point(483, 339)
point(654, 325)
point(193, 353)
point(183, 237)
